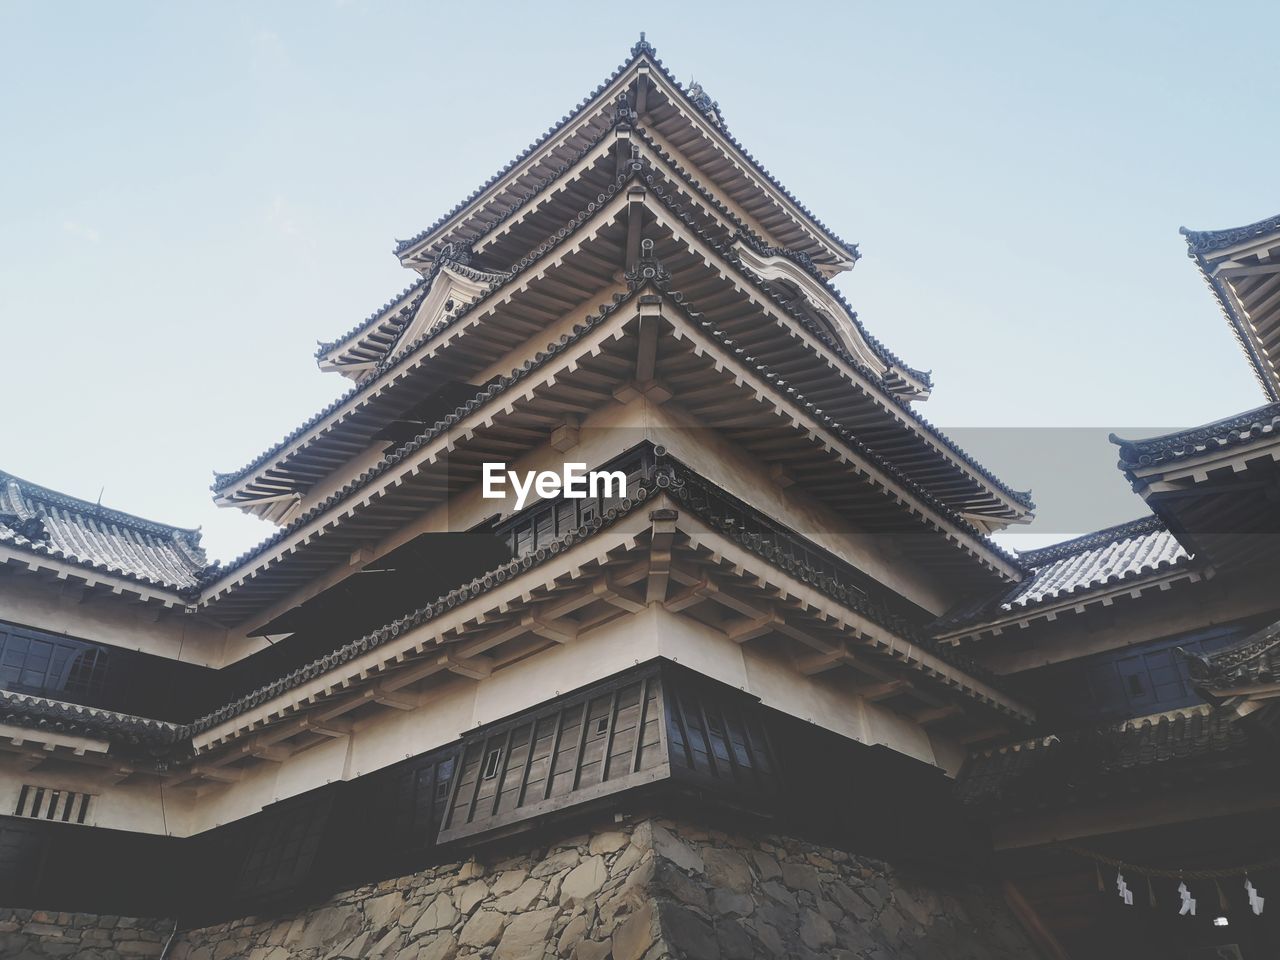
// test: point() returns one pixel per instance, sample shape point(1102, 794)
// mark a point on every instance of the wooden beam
point(335, 729)
point(780, 475)
point(565, 436)
point(117, 775)
point(691, 596)
point(749, 628)
point(389, 698)
point(406, 676)
point(936, 714)
point(661, 544)
point(220, 774)
point(635, 222)
point(875, 692)
point(817, 663)
point(253, 748)
point(613, 594)
point(558, 631)
point(647, 348)
point(473, 668)
point(1118, 815)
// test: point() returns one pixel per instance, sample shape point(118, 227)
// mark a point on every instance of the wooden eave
point(657, 552)
point(88, 581)
point(1245, 277)
point(582, 270)
point(662, 105)
point(1171, 476)
point(730, 296)
point(1093, 600)
point(355, 354)
point(711, 383)
point(697, 144)
point(732, 299)
point(1220, 502)
point(583, 183)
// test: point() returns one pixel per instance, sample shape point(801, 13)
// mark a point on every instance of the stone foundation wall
point(37, 934)
point(646, 890)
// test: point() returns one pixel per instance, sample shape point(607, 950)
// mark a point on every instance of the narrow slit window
point(50, 803)
point(491, 761)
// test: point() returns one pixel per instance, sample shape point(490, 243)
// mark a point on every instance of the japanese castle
point(779, 694)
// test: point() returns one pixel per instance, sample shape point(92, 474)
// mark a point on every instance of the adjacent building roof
point(1210, 438)
point(1078, 567)
point(1204, 242)
point(1102, 558)
point(1242, 267)
point(37, 520)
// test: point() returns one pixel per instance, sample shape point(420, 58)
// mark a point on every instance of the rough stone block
point(634, 935)
point(584, 880)
point(727, 869)
point(440, 913)
point(609, 842)
point(484, 928)
point(526, 936)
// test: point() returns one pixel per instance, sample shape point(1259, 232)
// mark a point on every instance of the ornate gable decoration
point(454, 287)
point(815, 300)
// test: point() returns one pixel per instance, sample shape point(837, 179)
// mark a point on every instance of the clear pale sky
point(192, 194)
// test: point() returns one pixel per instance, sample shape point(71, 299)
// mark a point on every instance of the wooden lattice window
point(51, 803)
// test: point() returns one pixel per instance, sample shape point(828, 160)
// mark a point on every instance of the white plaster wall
point(778, 685)
point(138, 807)
point(45, 605)
point(610, 431)
point(711, 454)
point(457, 704)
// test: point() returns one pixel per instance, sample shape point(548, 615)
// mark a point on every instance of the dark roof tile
point(1077, 567)
point(1255, 659)
point(38, 520)
point(1240, 429)
point(1201, 242)
point(1055, 767)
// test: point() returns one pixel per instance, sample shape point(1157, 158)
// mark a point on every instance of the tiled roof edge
point(1041, 556)
point(1021, 497)
point(1208, 241)
point(224, 480)
point(540, 358)
point(1251, 659)
point(642, 49)
point(1229, 431)
point(62, 717)
point(669, 482)
point(403, 245)
point(328, 346)
point(37, 492)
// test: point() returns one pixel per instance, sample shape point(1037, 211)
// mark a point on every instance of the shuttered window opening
point(580, 748)
point(282, 847)
point(48, 803)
